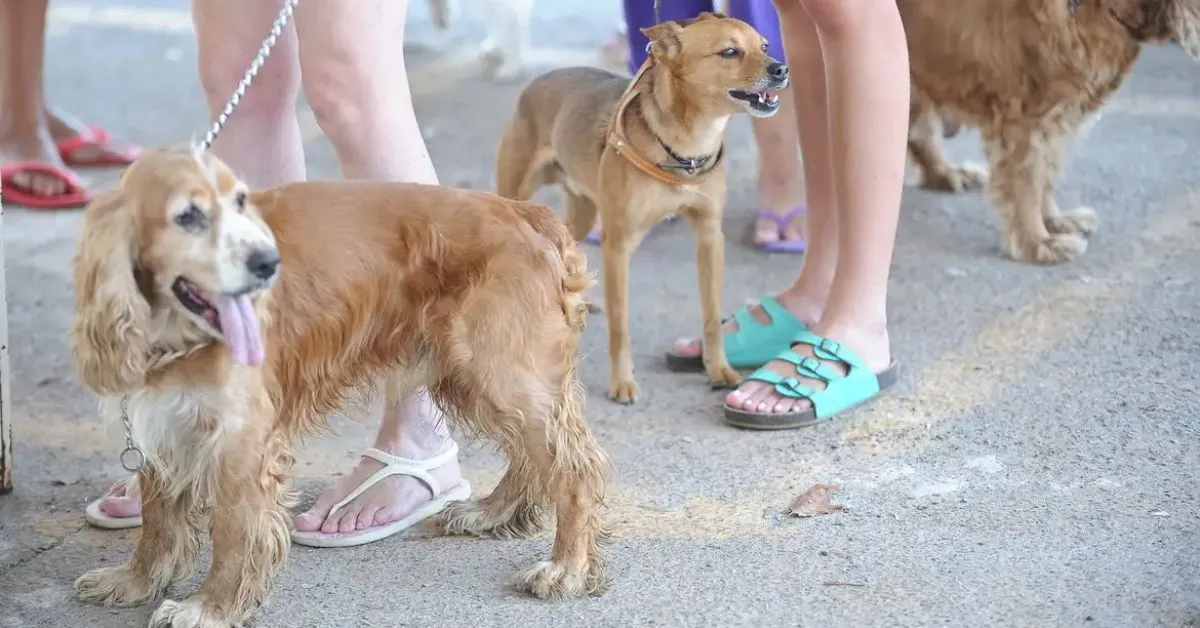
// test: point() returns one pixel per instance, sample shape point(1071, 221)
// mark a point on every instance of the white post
point(6, 437)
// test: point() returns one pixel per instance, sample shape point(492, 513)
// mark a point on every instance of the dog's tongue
point(240, 327)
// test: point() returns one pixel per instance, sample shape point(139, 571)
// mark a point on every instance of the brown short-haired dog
point(224, 323)
point(1027, 73)
point(637, 150)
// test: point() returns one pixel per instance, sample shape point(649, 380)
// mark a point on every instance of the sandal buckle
point(830, 346)
point(811, 364)
point(791, 382)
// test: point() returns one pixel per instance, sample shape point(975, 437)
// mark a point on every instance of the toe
point(766, 231)
point(740, 397)
point(121, 506)
point(367, 518)
point(689, 347)
point(345, 520)
point(308, 521)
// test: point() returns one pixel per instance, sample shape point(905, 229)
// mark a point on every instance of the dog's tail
point(516, 170)
point(575, 279)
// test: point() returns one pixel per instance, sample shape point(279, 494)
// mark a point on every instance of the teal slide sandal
point(753, 344)
point(841, 392)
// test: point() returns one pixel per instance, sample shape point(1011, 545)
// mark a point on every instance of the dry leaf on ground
point(815, 501)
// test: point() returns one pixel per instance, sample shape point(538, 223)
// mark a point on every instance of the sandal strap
point(776, 314)
point(784, 219)
point(395, 465)
point(840, 392)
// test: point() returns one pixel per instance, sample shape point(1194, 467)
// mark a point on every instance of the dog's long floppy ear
point(1186, 26)
point(110, 335)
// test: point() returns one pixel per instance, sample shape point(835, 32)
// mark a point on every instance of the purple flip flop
point(782, 246)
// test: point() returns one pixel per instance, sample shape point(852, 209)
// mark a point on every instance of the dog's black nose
point(778, 71)
point(263, 263)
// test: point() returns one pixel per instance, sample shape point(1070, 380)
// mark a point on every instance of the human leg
point(864, 55)
point(369, 118)
point(779, 225)
point(776, 321)
point(24, 129)
point(261, 141)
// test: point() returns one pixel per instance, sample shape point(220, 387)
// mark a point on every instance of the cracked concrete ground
point(1037, 465)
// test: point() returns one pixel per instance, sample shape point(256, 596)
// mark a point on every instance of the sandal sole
point(808, 418)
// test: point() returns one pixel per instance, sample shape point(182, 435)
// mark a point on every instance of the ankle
point(779, 191)
point(868, 338)
point(415, 433)
point(807, 298)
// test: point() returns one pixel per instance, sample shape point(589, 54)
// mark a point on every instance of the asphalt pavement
point(1036, 466)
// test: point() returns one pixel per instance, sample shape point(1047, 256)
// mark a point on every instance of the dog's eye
point(730, 53)
point(241, 200)
point(190, 218)
point(765, 47)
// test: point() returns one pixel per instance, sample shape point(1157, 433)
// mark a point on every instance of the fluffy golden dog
point(1027, 73)
point(636, 150)
point(224, 323)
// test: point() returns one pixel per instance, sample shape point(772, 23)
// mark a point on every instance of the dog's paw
point(551, 580)
point(116, 586)
point(498, 63)
point(959, 178)
point(506, 69)
point(189, 613)
point(723, 376)
point(623, 391)
point(478, 518)
point(1058, 248)
point(1081, 221)
point(594, 308)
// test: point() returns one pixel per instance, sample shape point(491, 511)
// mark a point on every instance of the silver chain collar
point(132, 457)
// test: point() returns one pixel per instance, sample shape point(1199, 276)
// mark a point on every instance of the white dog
point(507, 24)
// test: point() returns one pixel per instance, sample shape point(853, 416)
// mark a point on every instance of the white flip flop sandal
point(393, 465)
point(101, 519)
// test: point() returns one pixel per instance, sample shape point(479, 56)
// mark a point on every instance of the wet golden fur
point(1027, 73)
point(557, 136)
point(478, 298)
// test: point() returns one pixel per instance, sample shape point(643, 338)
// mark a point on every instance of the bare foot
point(32, 142)
point(390, 499)
point(771, 227)
point(122, 499)
point(64, 126)
point(761, 397)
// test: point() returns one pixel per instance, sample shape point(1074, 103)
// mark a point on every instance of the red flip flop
point(98, 139)
point(74, 196)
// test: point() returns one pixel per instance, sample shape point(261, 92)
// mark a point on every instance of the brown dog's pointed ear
point(664, 39)
point(110, 334)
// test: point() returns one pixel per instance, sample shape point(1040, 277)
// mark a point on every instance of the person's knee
point(274, 88)
point(338, 95)
point(837, 17)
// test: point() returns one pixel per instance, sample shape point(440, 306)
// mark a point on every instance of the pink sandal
point(101, 519)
